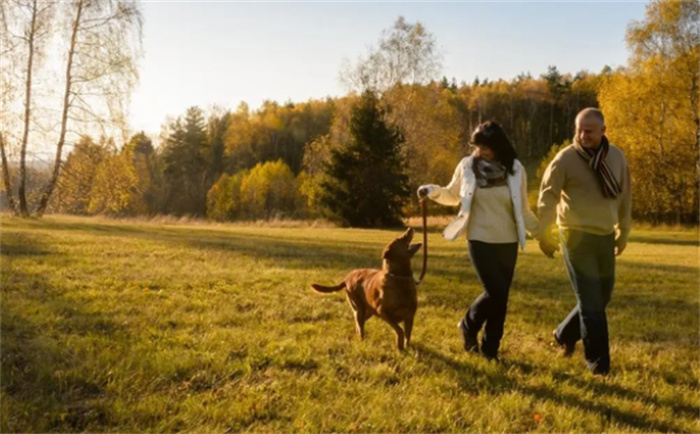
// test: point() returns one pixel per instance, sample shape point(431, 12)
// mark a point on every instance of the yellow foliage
point(116, 188)
point(651, 112)
point(267, 190)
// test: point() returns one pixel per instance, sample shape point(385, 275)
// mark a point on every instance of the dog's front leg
point(359, 312)
point(408, 326)
point(400, 337)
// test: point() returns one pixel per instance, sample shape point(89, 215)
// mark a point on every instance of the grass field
point(112, 326)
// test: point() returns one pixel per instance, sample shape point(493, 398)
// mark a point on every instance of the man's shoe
point(470, 343)
point(599, 370)
point(568, 348)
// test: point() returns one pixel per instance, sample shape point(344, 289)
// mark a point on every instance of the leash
point(424, 206)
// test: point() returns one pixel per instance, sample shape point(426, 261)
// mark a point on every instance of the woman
point(490, 185)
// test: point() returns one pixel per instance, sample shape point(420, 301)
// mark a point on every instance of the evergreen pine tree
point(367, 186)
point(185, 170)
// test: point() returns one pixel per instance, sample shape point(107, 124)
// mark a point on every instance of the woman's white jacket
point(460, 191)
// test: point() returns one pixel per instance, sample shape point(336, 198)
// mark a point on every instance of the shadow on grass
point(663, 240)
point(17, 245)
point(297, 254)
point(471, 378)
point(691, 273)
point(611, 414)
point(606, 388)
point(39, 397)
point(474, 380)
point(40, 391)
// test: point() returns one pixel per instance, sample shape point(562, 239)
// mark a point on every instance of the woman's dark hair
point(491, 135)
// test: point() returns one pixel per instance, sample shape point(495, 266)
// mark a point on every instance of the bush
point(268, 190)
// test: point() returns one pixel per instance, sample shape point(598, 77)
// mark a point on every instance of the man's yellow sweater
point(571, 190)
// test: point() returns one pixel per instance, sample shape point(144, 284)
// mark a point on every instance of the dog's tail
point(326, 289)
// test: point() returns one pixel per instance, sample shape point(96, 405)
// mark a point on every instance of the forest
point(357, 159)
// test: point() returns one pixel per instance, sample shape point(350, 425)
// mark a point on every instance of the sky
point(209, 53)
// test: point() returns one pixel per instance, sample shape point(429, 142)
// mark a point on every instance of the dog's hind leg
point(360, 322)
point(358, 313)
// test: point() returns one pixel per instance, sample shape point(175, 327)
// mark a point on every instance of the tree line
point(357, 159)
point(280, 160)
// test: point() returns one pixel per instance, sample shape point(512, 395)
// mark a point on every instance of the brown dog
point(389, 293)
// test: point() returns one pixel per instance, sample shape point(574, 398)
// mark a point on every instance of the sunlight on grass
point(165, 326)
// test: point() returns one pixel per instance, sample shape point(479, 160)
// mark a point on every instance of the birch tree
point(99, 42)
point(406, 53)
point(26, 31)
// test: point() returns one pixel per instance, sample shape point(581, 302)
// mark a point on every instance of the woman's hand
point(424, 191)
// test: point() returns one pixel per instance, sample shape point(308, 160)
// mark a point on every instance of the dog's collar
point(399, 277)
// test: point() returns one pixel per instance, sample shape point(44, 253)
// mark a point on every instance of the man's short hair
point(591, 112)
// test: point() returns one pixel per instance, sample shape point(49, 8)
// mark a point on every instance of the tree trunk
point(512, 126)
point(551, 124)
point(696, 119)
point(22, 194)
point(43, 202)
point(6, 177)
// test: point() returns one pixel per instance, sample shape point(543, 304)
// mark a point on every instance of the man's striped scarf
point(596, 161)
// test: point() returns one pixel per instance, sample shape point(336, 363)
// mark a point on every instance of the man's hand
point(620, 246)
point(548, 246)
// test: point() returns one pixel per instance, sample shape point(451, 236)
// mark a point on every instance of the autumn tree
point(275, 132)
point(652, 111)
point(224, 197)
point(79, 171)
point(268, 190)
point(312, 177)
point(115, 189)
point(434, 143)
point(405, 53)
point(142, 153)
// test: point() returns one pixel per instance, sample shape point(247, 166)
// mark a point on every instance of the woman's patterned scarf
point(489, 173)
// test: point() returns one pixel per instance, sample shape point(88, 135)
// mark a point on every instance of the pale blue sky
point(204, 53)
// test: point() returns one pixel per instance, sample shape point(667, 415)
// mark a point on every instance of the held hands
point(548, 246)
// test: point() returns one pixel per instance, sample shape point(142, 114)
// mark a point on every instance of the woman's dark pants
point(495, 265)
point(590, 260)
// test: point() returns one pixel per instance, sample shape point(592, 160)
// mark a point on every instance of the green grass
point(112, 326)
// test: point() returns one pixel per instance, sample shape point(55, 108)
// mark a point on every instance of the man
point(587, 186)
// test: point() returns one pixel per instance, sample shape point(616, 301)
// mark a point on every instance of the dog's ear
point(413, 248)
